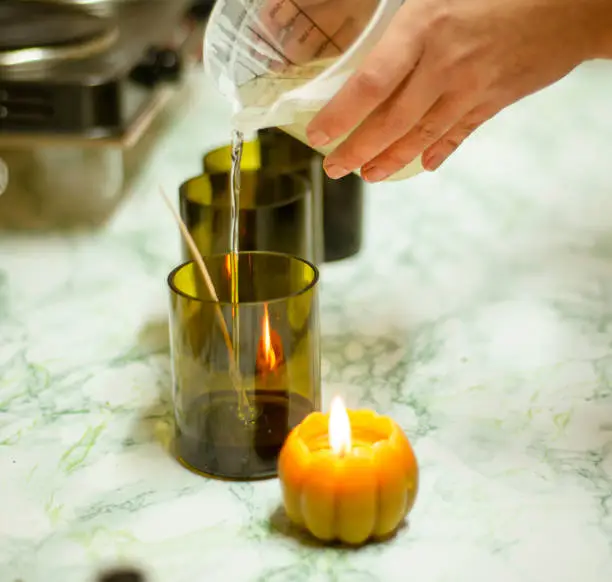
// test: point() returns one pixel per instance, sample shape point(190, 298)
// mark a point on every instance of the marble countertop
point(479, 315)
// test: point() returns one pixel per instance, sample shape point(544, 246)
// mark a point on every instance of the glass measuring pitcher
point(280, 61)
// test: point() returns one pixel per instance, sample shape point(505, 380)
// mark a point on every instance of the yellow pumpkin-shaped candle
point(348, 476)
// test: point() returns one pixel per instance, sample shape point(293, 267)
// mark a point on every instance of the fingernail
point(433, 163)
point(335, 172)
point(318, 138)
point(374, 174)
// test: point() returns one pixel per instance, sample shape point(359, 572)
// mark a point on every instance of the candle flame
point(269, 351)
point(266, 336)
point(339, 428)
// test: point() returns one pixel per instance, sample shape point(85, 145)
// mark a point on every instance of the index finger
point(389, 63)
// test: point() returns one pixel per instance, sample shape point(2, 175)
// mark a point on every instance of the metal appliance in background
point(81, 81)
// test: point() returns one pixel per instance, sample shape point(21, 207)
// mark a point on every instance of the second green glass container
point(276, 213)
point(337, 205)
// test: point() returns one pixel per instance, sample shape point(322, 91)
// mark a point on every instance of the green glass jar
point(275, 214)
point(337, 204)
point(235, 407)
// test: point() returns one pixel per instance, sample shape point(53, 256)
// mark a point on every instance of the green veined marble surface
point(479, 315)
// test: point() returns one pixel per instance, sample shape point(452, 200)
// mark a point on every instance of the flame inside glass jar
point(270, 349)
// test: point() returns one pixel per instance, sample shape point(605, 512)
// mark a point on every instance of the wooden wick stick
point(197, 257)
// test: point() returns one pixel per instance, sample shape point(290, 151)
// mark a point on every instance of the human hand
point(443, 68)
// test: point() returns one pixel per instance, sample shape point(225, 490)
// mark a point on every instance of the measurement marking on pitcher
point(269, 44)
point(315, 25)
